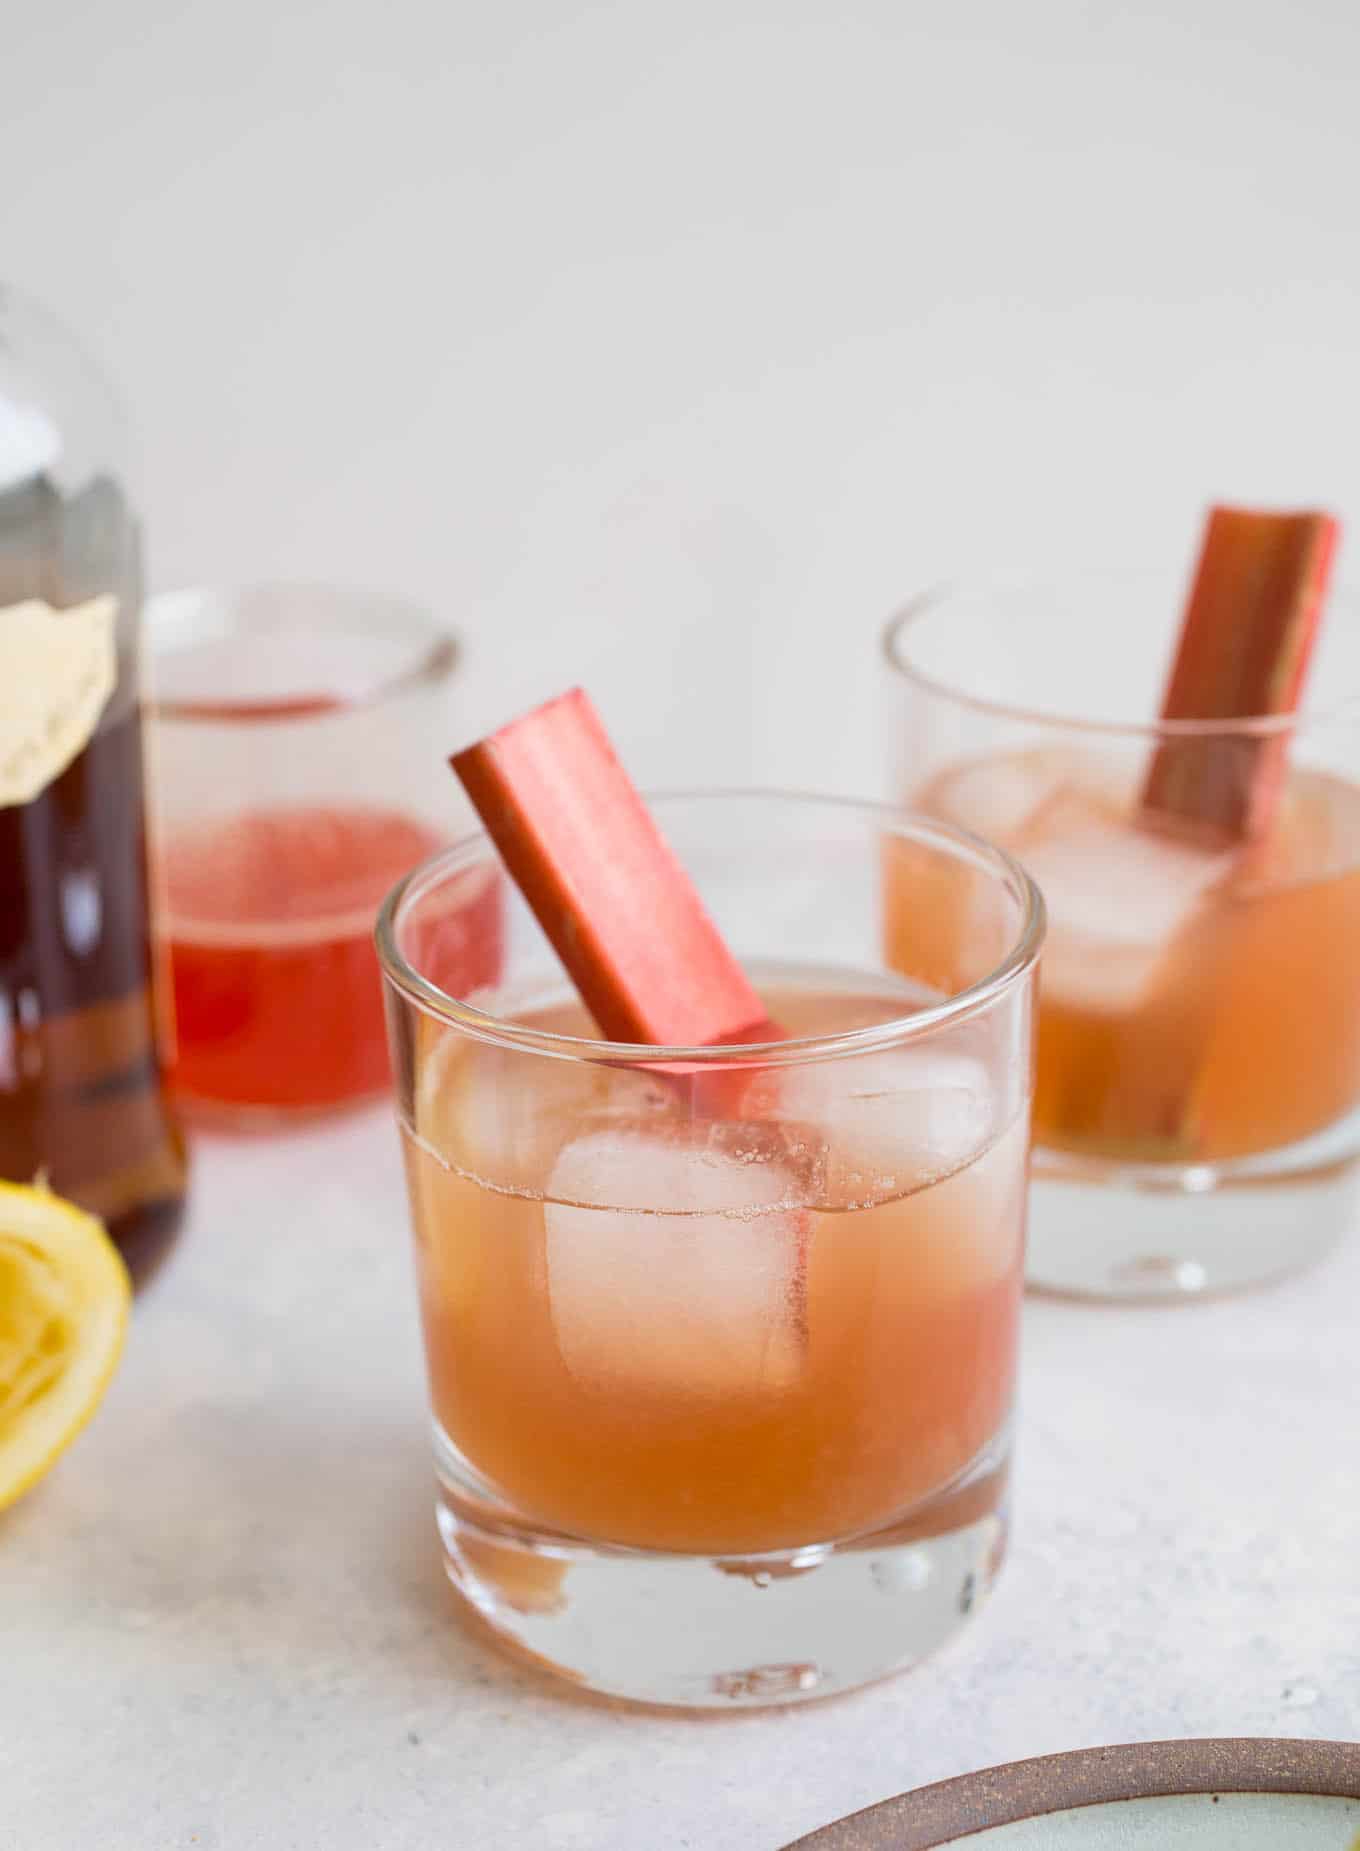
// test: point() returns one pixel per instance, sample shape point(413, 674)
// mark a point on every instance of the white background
point(664, 349)
point(667, 347)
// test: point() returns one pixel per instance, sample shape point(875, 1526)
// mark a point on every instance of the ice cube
point(675, 1262)
point(997, 797)
point(501, 1114)
point(892, 1121)
point(1117, 897)
point(968, 1231)
point(953, 1244)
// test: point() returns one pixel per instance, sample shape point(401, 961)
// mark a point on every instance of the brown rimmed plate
point(1240, 1794)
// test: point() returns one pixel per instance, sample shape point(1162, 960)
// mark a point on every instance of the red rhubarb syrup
point(277, 994)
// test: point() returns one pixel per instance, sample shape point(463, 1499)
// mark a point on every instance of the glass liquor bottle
point(83, 1037)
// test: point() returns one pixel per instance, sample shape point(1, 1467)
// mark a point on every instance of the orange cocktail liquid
point(278, 1000)
point(731, 1336)
point(1195, 1003)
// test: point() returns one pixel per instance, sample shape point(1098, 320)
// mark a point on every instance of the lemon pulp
point(64, 1297)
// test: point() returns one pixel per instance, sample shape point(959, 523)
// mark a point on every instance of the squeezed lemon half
point(64, 1297)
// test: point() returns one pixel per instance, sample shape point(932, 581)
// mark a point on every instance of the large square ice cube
point(500, 1114)
point(1118, 896)
point(675, 1259)
point(997, 797)
point(893, 1121)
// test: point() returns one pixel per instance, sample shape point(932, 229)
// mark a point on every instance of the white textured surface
point(223, 1622)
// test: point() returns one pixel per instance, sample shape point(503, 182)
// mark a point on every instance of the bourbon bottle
point(83, 1033)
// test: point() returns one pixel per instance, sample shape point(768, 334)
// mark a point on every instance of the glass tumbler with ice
point(721, 1375)
point(1197, 1105)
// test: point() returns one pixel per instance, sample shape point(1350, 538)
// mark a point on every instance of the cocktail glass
point(300, 736)
point(1199, 1042)
point(721, 1342)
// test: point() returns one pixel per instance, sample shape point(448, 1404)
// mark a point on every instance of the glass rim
point(1248, 726)
point(1020, 957)
point(435, 652)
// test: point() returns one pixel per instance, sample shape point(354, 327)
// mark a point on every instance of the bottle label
point(57, 671)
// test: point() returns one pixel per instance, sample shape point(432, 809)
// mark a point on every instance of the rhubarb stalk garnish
point(1245, 645)
point(616, 905)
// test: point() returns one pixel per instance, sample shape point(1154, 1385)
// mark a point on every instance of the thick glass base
point(1154, 1232)
point(702, 1632)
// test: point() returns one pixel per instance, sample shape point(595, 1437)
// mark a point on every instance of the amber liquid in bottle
point(83, 1096)
point(82, 1085)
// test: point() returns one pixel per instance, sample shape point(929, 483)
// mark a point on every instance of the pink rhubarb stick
point(1245, 644)
point(618, 908)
